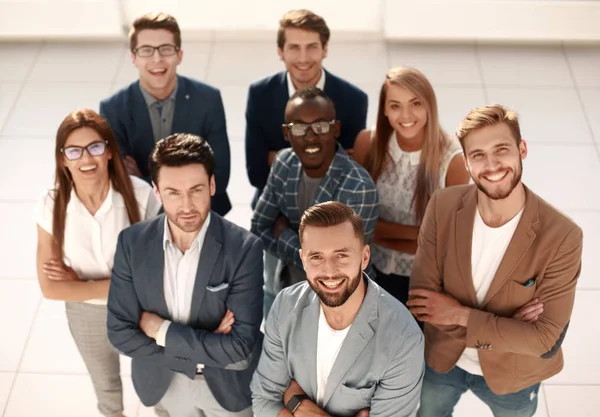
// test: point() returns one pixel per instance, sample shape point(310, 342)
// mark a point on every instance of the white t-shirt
point(329, 343)
point(90, 241)
point(489, 246)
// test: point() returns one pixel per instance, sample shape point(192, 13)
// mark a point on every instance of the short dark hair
point(305, 20)
point(153, 21)
point(181, 149)
point(332, 213)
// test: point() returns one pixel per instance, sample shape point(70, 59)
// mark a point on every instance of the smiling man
point(494, 278)
point(316, 169)
point(338, 344)
point(161, 103)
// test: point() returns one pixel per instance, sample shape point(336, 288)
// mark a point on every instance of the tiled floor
point(555, 89)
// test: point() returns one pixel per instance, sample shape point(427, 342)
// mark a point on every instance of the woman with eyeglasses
point(78, 222)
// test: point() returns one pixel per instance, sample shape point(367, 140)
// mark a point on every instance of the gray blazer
point(230, 276)
point(380, 365)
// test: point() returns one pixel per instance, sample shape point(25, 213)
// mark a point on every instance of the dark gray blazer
point(380, 365)
point(230, 276)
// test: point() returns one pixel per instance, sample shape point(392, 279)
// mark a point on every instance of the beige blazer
point(546, 246)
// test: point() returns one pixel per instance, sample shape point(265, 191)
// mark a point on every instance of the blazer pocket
point(364, 392)
point(218, 288)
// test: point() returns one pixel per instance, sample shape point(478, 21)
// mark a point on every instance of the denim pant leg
point(441, 392)
point(270, 265)
point(520, 404)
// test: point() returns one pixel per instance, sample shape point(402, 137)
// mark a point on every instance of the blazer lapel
point(208, 258)
point(291, 191)
point(357, 339)
point(332, 179)
point(517, 249)
point(310, 316)
point(183, 106)
point(465, 217)
point(155, 267)
point(141, 117)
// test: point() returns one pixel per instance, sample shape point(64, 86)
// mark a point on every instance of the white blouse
point(396, 187)
point(91, 240)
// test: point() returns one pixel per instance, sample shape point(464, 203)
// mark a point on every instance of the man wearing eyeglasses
point(315, 169)
point(161, 103)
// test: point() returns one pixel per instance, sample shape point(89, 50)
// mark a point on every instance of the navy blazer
point(265, 113)
point(198, 110)
point(229, 276)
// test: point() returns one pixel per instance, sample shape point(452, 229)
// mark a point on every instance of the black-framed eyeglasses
point(146, 51)
point(300, 129)
point(73, 153)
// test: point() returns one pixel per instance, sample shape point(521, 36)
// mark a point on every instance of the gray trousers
point(193, 398)
point(87, 323)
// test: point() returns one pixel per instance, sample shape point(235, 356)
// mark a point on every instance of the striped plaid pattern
point(345, 181)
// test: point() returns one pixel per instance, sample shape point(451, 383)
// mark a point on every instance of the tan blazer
point(546, 246)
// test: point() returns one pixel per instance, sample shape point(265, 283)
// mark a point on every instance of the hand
point(365, 412)
point(292, 389)
point(226, 323)
point(281, 223)
point(437, 308)
point(150, 323)
point(58, 271)
point(131, 166)
point(530, 312)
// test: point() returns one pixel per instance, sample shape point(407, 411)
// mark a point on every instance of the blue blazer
point(265, 113)
point(229, 276)
point(198, 110)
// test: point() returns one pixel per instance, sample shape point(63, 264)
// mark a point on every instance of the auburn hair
point(63, 184)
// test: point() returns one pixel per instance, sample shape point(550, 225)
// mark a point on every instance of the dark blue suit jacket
point(198, 110)
point(265, 113)
point(229, 276)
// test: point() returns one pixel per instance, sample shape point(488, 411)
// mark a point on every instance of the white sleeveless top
point(396, 187)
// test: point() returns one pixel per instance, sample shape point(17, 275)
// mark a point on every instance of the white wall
point(531, 20)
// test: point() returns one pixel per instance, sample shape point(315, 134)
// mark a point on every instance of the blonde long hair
point(435, 144)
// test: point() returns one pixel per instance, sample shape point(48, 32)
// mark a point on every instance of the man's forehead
point(317, 106)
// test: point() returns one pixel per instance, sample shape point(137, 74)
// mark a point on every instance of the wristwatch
point(295, 401)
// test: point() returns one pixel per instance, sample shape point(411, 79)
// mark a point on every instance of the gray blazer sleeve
point(234, 350)
point(271, 378)
point(124, 311)
point(399, 391)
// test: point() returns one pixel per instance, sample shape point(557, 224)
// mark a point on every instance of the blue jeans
point(441, 393)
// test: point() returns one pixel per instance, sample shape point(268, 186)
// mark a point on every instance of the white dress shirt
point(179, 277)
point(91, 240)
point(329, 344)
point(320, 84)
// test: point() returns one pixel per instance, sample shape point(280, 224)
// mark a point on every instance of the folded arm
point(245, 300)
point(543, 337)
point(125, 311)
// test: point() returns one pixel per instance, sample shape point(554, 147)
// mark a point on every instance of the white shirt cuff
point(161, 335)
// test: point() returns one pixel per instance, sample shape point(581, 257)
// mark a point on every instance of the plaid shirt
point(345, 181)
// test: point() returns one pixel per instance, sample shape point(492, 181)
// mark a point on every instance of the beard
point(340, 298)
point(188, 226)
point(500, 193)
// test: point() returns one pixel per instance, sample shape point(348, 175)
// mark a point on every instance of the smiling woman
point(78, 223)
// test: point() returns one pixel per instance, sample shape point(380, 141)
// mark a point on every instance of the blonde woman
point(409, 156)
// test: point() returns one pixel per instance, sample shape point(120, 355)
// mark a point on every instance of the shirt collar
point(291, 89)
point(396, 152)
point(198, 240)
point(151, 100)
